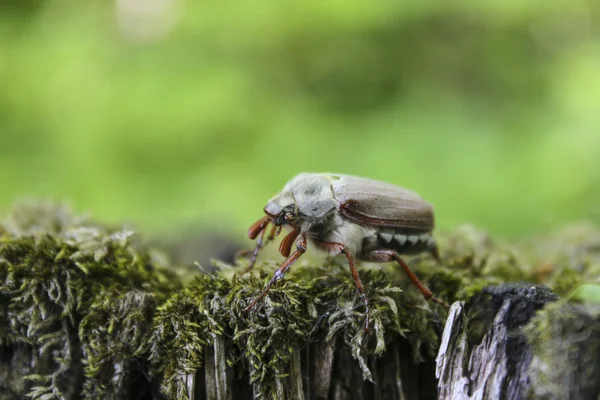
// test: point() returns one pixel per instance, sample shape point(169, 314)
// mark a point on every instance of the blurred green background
point(167, 113)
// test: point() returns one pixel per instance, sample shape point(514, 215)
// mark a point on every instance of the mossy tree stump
point(86, 311)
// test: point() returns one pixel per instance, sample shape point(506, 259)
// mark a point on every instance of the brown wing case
point(369, 202)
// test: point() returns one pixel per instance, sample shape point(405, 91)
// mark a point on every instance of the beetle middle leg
point(391, 255)
point(359, 284)
point(339, 248)
point(300, 249)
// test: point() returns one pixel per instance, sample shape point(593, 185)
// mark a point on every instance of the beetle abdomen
point(401, 240)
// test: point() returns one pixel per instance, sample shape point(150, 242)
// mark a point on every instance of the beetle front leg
point(259, 245)
point(300, 249)
point(390, 255)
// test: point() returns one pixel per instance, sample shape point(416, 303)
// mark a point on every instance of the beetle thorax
point(313, 196)
point(308, 197)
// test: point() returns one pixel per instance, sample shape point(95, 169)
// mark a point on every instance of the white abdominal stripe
point(406, 240)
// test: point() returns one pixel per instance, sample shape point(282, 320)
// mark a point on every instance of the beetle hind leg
point(390, 255)
point(434, 250)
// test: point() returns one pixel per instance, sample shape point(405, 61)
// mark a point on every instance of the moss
point(297, 312)
point(114, 337)
point(90, 303)
point(76, 300)
point(589, 292)
point(566, 258)
point(93, 303)
point(566, 335)
point(471, 260)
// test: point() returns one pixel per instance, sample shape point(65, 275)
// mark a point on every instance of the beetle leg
point(300, 249)
point(274, 232)
point(359, 284)
point(339, 248)
point(285, 247)
point(258, 227)
point(390, 255)
point(434, 251)
point(261, 243)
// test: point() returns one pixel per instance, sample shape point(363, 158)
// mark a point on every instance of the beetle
point(364, 219)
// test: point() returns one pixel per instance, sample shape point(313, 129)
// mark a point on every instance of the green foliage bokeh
point(167, 112)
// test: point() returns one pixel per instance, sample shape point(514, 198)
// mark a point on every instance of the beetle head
point(282, 209)
point(305, 200)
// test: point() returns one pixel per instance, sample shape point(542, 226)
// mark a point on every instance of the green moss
point(319, 303)
point(471, 260)
point(566, 335)
point(91, 302)
point(76, 300)
point(114, 337)
point(565, 258)
point(587, 293)
point(298, 311)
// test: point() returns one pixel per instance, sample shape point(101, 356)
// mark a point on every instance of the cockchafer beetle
point(364, 219)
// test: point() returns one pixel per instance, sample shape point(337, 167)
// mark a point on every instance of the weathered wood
point(222, 371)
point(296, 389)
point(324, 367)
point(484, 352)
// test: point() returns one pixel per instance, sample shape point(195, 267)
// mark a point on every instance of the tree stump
point(484, 353)
point(89, 312)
